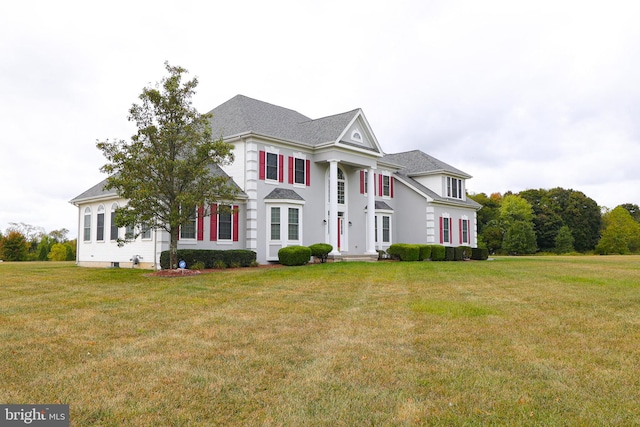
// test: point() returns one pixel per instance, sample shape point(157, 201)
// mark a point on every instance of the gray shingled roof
point(283, 194)
point(98, 190)
point(242, 114)
point(417, 162)
point(382, 205)
point(468, 201)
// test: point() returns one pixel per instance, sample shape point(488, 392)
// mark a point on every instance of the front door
point(340, 229)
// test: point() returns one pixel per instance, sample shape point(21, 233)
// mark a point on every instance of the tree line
point(25, 242)
point(557, 220)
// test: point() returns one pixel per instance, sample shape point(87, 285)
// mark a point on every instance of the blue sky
point(526, 94)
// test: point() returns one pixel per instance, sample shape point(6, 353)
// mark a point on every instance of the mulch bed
point(178, 272)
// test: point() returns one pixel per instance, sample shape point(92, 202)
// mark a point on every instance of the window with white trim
point(464, 232)
point(454, 188)
point(275, 223)
point(146, 232)
point(225, 228)
point(188, 230)
point(294, 224)
point(386, 185)
point(87, 225)
point(341, 183)
point(271, 166)
point(445, 231)
point(114, 228)
point(284, 222)
point(100, 224)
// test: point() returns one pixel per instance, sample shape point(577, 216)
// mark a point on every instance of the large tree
point(170, 167)
point(621, 234)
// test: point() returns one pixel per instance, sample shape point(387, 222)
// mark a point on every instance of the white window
point(114, 229)
point(299, 171)
point(284, 222)
point(386, 185)
point(275, 223)
point(272, 166)
point(87, 225)
point(341, 187)
point(100, 224)
point(445, 231)
point(294, 224)
point(188, 230)
point(146, 232)
point(225, 222)
point(454, 188)
point(386, 228)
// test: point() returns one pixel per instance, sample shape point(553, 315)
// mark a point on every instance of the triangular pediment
point(358, 134)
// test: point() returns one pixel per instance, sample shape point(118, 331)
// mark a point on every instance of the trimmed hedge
point(211, 258)
point(480, 254)
point(462, 253)
point(450, 253)
point(404, 251)
point(321, 250)
point(425, 252)
point(438, 253)
point(294, 255)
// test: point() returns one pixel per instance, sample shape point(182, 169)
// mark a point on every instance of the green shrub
point(462, 253)
point(450, 253)
point(321, 251)
point(404, 251)
point(425, 252)
point(438, 253)
point(242, 257)
point(480, 254)
point(219, 265)
point(198, 265)
point(294, 255)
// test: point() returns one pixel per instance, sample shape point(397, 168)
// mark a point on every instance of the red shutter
point(291, 165)
point(362, 182)
point(460, 230)
point(236, 215)
point(213, 233)
point(380, 189)
point(263, 164)
point(307, 170)
point(441, 232)
point(200, 222)
point(391, 185)
point(280, 168)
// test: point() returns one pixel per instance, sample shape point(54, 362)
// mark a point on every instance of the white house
point(302, 181)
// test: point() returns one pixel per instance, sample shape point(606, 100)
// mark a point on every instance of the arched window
point(114, 229)
point(100, 224)
point(87, 225)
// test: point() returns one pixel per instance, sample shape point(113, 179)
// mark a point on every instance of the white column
point(333, 206)
point(371, 213)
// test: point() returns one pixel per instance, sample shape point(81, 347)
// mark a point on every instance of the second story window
point(272, 166)
point(454, 188)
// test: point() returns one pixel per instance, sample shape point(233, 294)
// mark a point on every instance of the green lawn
point(516, 341)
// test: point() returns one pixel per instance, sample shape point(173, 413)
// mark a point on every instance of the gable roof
point(242, 115)
point(99, 191)
point(416, 163)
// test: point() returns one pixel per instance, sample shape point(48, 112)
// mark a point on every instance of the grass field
point(534, 341)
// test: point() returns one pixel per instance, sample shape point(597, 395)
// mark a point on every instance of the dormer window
point(454, 188)
point(356, 136)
